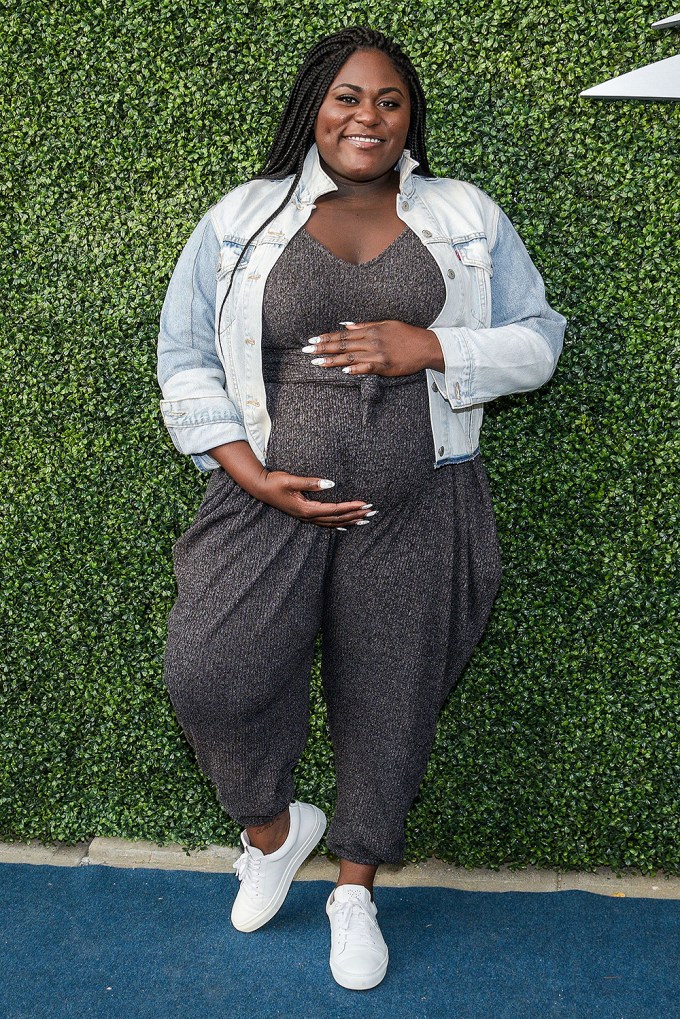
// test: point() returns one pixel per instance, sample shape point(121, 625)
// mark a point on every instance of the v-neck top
point(310, 290)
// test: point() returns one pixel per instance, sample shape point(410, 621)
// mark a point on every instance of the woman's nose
point(367, 114)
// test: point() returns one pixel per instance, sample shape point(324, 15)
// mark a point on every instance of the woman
point(329, 337)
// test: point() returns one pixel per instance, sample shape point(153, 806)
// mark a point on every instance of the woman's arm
point(520, 349)
point(196, 409)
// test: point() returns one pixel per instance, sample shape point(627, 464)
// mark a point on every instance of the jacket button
point(405, 206)
point(252, 403)
point(440, 451)
point(451, 274)
point(427, 233)
point(435, 387)
point(250, 341)
point(457, 390)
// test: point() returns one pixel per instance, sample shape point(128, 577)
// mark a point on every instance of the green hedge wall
point(123, 122)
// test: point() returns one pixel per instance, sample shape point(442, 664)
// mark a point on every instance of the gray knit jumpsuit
point(400, 602)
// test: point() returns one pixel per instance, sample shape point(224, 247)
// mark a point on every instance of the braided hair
point(295, 132)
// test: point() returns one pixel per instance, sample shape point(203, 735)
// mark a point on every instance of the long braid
point(295, 132)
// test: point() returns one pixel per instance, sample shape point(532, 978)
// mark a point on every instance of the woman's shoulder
point(449, 196)
point(248, 203)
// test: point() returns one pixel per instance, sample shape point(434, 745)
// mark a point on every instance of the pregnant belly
point(373, 440)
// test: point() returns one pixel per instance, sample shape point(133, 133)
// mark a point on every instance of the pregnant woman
point(330, 335)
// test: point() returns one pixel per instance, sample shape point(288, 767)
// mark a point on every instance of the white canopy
point(667, 22)
point(655, 81)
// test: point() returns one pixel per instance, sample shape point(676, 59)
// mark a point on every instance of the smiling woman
point(348, 494)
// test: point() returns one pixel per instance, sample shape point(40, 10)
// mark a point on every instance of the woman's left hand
point(377, 348)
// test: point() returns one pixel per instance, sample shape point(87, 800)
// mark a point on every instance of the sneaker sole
point(353, 982)
point(312, 840)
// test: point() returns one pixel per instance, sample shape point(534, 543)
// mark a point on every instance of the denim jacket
point(497, 332)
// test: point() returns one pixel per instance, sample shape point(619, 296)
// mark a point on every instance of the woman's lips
point(363, 141)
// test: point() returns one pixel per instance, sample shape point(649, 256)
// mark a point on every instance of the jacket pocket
point(230, 252)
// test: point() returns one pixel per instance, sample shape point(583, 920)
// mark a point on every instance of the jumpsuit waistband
point(292, 366)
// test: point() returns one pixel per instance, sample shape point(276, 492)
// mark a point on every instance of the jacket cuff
point(483, 364)
point(205, 462)
point(200, 423)
point(454, 381)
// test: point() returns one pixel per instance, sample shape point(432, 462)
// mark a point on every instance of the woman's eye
point(349, 100)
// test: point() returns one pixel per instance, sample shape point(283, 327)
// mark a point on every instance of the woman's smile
point(364, 141)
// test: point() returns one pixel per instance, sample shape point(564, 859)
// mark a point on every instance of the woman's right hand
point(287, 492)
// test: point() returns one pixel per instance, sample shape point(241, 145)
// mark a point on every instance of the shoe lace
point(355, 925)
point(247, 869)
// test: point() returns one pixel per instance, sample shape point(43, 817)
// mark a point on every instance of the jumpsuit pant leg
point(241, 639)
point(401, 603)
point(406, 601)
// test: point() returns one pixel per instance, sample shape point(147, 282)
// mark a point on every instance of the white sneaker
point(358, 951)
point(266, 878)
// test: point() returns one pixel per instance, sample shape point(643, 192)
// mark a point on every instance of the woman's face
point(363, 122)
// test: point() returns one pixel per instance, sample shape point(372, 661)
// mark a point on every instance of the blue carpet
point(130, 944)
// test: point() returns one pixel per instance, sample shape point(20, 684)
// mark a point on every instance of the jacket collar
point(315, 182)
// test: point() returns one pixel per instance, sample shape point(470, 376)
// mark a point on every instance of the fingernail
point(346, 370)
point(308, 350)
point(317, 360)
point(314, 339)
point(347, 323)
point(325, 483)
point(360, 522)
point(340, 528)
point(372, 513)
point(367, 505)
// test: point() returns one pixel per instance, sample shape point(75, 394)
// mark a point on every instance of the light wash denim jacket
point(497, 332)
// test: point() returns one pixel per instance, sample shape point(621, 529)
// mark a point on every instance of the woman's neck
point(364, 191)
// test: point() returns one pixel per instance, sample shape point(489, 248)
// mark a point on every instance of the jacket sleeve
point(196, 408)
point(520, 350)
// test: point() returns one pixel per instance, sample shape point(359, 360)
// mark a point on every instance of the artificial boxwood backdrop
point(123, 122)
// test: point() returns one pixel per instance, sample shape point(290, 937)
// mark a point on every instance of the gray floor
point(122, 853)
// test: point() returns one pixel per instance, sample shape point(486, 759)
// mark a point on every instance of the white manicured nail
point(348, 323)
point(367, 505)
point(340, 528)
point(346, 370)
point(317, 360)
point(372, 513)
point(314, 339)
point(360, 522)
point(325, 483)
point(308, 350)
